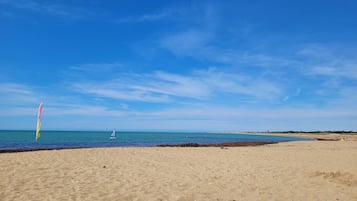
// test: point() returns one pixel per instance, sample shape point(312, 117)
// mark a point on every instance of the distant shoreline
point(160, 131)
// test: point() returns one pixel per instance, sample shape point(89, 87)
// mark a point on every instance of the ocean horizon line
point(191, 131)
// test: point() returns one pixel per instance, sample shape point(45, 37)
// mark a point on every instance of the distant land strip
point(310, 132)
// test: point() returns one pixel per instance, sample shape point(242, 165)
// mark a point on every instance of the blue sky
point(179, 65)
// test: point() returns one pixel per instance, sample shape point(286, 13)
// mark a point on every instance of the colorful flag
point(38, 121)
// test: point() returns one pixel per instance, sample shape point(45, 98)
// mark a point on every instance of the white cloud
point(49, 8)
point(18, 111)
point(199, 44)
point(324, 70)
point(229, 118)
point(343, 69)
point(148, 17)
point(81, 110)
point(347, 98)
point(19, 94)
point(328, 61)
point(179, 85)
point(186, 116)
point(12, 88)
point(167, 87)
point(198, 13)
point(96, 67)
point(190, 42)
point(121, 91)
point(315, 51)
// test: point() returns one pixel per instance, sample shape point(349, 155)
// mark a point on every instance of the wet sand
point(305, 170)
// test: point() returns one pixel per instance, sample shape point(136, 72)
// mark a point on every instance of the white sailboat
point(113, 136)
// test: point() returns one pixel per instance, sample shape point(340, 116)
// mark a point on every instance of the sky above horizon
point(179, 65)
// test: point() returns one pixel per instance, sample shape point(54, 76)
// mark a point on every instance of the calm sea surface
point(20, 140)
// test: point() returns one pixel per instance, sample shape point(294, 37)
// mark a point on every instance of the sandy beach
point(304, 170)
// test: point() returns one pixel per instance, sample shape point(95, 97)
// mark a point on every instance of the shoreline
point(224, 144)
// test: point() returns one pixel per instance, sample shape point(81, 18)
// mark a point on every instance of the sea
point(25, 139)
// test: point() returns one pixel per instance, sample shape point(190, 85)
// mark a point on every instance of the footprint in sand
point(343, 178)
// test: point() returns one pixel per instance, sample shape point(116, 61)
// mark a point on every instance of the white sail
point(113, 135)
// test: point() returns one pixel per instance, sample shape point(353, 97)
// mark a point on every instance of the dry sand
point(307, 170)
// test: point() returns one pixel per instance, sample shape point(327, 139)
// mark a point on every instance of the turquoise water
point(23, 140)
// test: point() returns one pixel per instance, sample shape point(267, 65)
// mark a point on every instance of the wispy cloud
point(194, 14)
point(190, 114)
point(204, 111)
point(201, 44)
point(188, 13)
point(19, 94)
point(343, 69)
point(167, 87)
point(187, 43)
point(49, 8)
point(96, 67)
point(329, 61)
point(335, 68)
point(82, 110)
point(148, 17)
point(120, 91)
point(17, 100)
point(22, 100)
point(217, 117)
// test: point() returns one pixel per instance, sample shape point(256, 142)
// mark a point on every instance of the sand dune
point(313, 170)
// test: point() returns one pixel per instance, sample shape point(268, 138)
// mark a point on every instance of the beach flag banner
point(39, 113)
